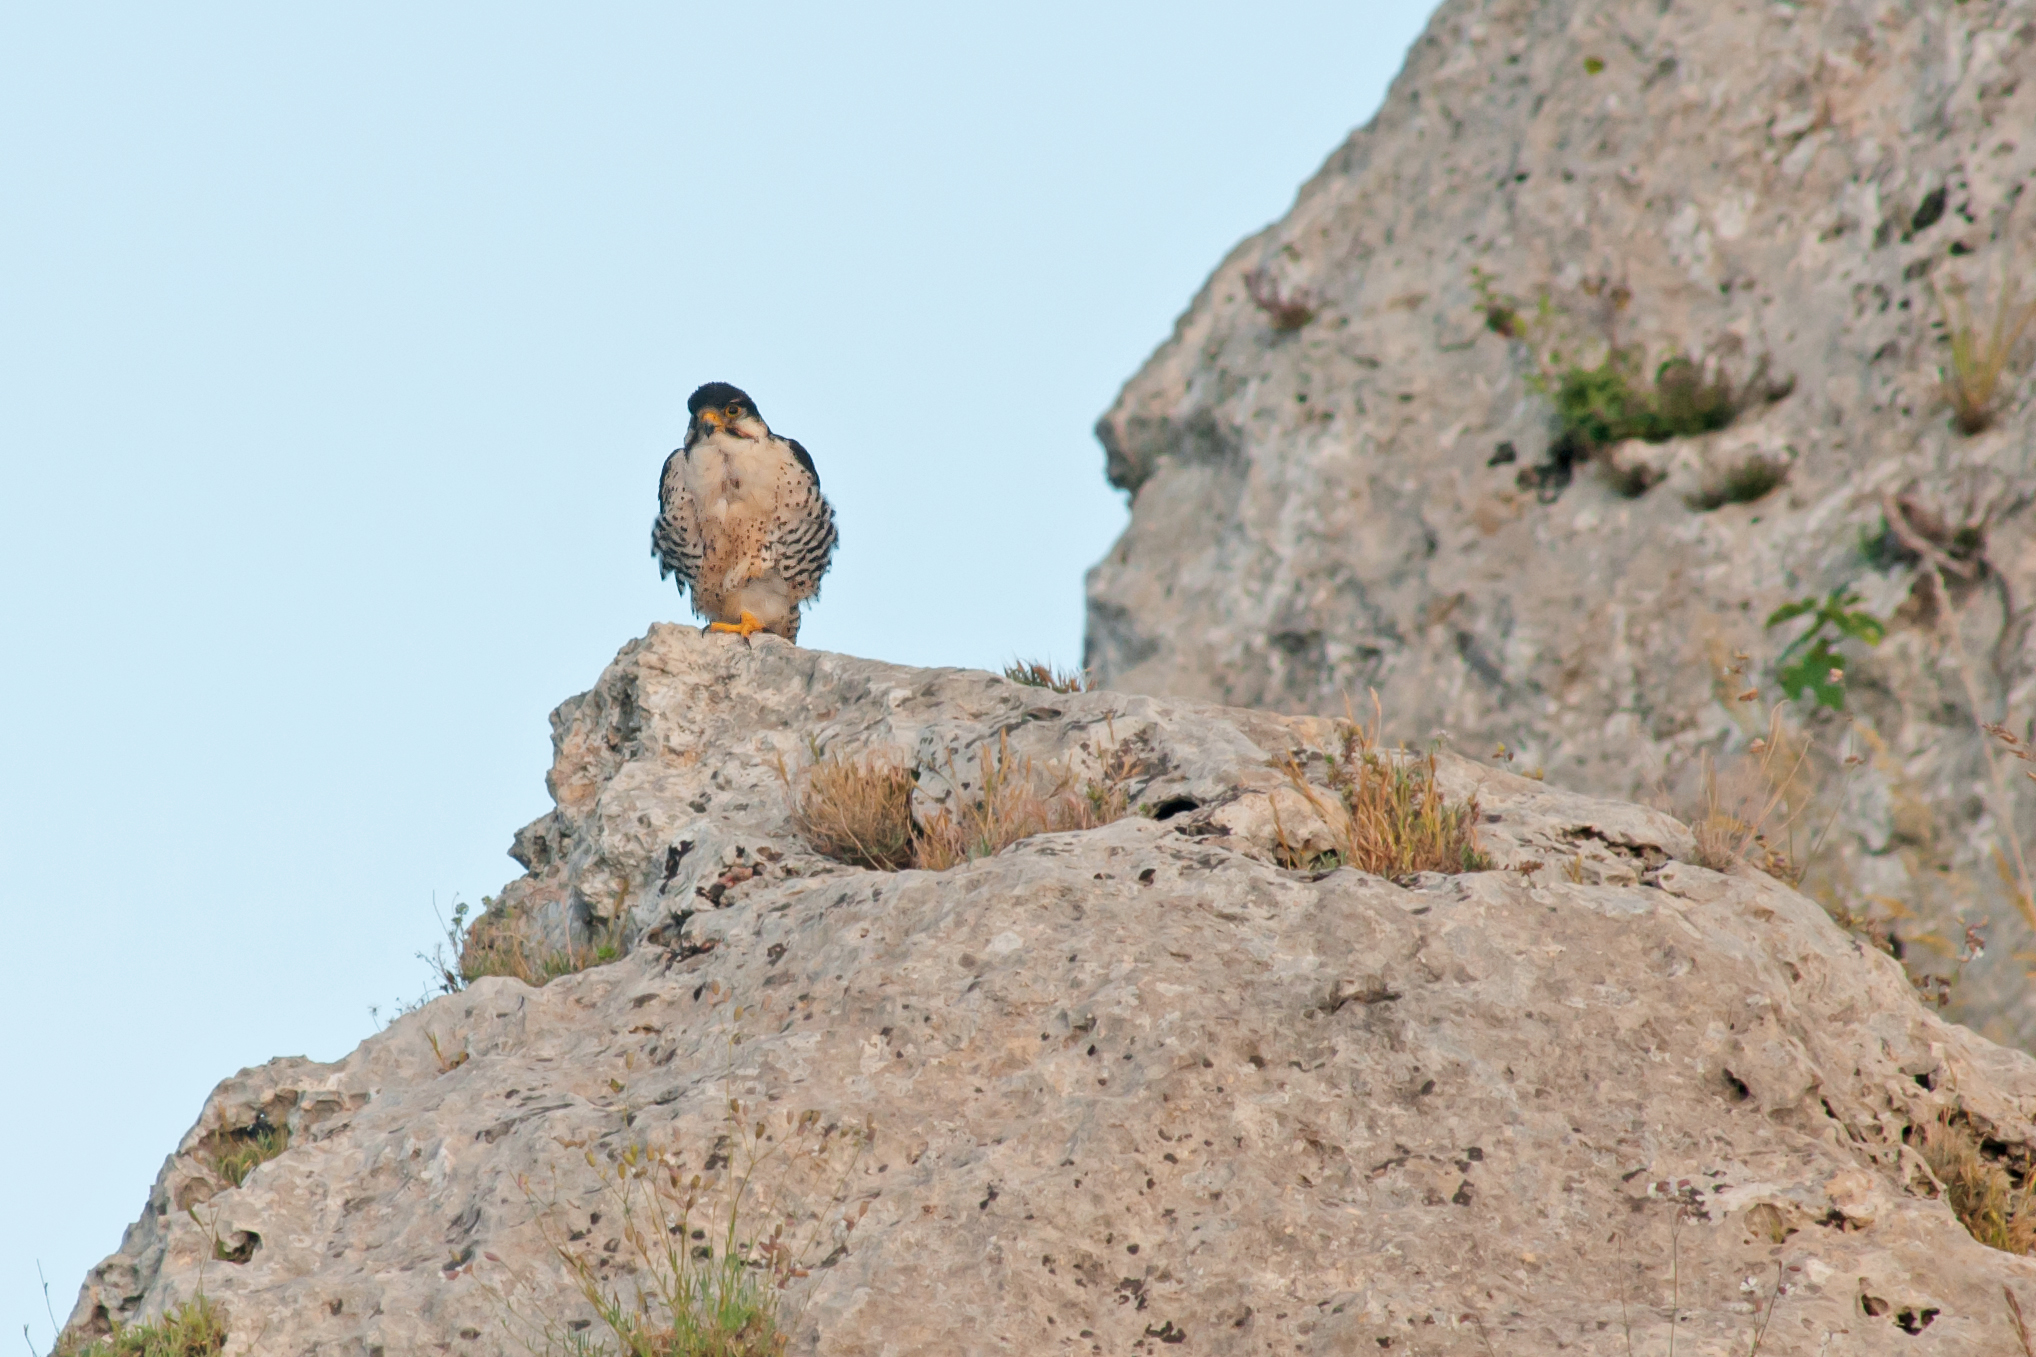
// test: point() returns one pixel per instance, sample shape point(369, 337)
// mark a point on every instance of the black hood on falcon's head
point(721, 395)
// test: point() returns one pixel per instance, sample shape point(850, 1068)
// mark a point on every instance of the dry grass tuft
point(1388, 816)
point(2021, 1325)
point(857, 811)
point(1013, 800)
point(196, 1328)
point(1999, 1211)
point(1747, 810)
point(496, 944)
point(1972, 382)
point(1034, 674)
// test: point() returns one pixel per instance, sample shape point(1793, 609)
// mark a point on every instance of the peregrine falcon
point(741, 520)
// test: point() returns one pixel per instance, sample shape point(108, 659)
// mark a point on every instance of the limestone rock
point(1373, 498)
point(1136, 1088)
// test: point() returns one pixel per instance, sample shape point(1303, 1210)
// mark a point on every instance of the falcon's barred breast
point(741, 520)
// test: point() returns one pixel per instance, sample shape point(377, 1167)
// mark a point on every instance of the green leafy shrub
point(1809, 664)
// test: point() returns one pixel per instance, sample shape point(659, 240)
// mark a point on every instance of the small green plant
point(1598, 404)
point(196, 1328)
point(236, 1153)
point(1034, 674)
point(1972, 383)
point(697, 1261)
point(1607, 404)
point(1808, 664)
point(1386, 814)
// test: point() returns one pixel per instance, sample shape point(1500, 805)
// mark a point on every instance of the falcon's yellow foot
point(745, 628)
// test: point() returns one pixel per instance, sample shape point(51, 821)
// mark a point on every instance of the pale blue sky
point(339, 349)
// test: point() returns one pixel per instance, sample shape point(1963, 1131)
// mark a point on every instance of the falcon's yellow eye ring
point(734, 410)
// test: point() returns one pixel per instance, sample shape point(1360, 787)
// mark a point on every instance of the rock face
point(1343, 478)
point(1133, 1089)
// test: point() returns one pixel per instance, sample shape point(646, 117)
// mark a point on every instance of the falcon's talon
point(745, 628)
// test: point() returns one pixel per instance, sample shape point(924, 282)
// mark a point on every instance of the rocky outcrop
point(1343, 476)
point(1136, 1088)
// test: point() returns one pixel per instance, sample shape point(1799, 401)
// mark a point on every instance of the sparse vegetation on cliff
point(1595, 405)
point(1598, 405)
point(1386, 813)
point(196, 1328)
point(1972, 381)
point(858, 810)
point(1994, 1204)
point(693, 1261)
point(1747, 809)
point(1013, 800)
point(236, 1153)
point(495, 943)
point(1038, 674)
point(1742, 483)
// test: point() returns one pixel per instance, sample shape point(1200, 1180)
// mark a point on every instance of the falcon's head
point(718, 407)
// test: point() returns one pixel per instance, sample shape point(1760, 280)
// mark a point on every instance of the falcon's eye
point(734, 409)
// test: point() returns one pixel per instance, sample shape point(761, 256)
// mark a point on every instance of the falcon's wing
point(802, 532)
point(675, 536)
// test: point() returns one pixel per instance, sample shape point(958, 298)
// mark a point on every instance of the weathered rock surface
point(1370, 500)
point(1133, 1089)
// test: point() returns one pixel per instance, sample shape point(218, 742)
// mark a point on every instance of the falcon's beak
point(712, 415)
